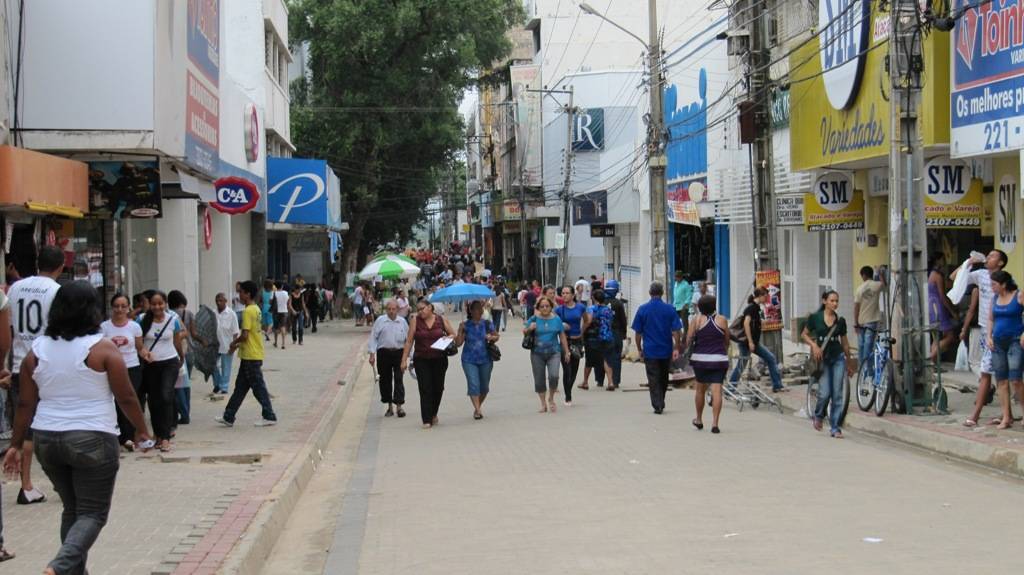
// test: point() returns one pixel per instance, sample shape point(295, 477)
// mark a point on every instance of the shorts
point(12, 396)
point(706, 375)
point(357, 310)
point(280, 321)
point(1006, 359)
point(265, 318)
point(986, 357)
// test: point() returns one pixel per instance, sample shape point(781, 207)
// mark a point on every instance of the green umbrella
point(391, 256)
point(389, 269)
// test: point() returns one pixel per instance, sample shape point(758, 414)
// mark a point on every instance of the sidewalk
point(183, 512)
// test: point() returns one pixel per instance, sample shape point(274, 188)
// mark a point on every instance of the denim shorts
point(1007, 358)
point(478, 377)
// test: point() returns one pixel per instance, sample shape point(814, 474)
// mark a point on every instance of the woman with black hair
point(126, 335)
point(751, 342)
point(69, 383)
point(708, 333)
point(941, 311)
point(825, 332)
point(162, 356)
point(1005, 338)
point(183, 385)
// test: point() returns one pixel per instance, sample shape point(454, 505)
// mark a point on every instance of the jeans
point(82, 465)
point(478, 377)
point(614, 360)
point(430, 373)
point(183, 404)
point(657, 380)
point(1007, 357)
point(570, 369)
point(496, 315)
point(389, 367)
point(831, 388)
point(314, 314)
point(222, 373)
point(124, 425)
point(766, 356)
point(158, 380)
point(298, 323)
point(250, 376)
point(866, 341)
point(541, 362)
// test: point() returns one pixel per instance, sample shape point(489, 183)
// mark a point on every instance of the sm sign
point(951, 198)
point(833, 204)
point(588, 130)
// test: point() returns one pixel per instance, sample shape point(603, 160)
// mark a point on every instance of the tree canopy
point(380, 103)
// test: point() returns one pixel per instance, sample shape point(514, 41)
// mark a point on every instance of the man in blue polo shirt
point(658, 333)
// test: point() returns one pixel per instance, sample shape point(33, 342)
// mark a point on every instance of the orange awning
point(41, 182)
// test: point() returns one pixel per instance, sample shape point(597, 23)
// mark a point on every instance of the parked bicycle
point(876, 375)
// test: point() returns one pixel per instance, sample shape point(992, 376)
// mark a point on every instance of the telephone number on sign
point(953, 222)
point(836, 226)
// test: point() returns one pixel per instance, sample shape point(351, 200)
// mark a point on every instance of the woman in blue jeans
point(1004, 337)
point(825, 333)
point(69, 384)
point(475, 333)
point(752, 342)
point(550, 350)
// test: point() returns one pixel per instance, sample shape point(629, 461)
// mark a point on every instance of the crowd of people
point(80, 384)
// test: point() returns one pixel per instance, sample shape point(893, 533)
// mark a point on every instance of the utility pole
point(763, 194)
point(563, 254)
point(907, 249)
point(656, 155)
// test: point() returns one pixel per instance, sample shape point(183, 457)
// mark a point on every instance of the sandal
point(1005, 426)
point(697, 424)
point(583, 386)
point(5, 555)
point(478, 415)
point(610, 388)
point(970, 423)
point(165, 446)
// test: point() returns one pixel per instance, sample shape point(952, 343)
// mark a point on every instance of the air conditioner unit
point(737, 41)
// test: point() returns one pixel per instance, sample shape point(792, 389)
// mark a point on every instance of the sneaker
point(220, 419)
point(567, 403)
point(31, 496)
point(265, 422)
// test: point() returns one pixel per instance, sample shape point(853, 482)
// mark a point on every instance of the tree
point(380, 103)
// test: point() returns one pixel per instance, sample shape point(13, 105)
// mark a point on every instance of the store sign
point(844, 26)
point(950, 199)
point(510, 210)
point(602, 231)
point(590, 208)
point(298, 192)
point(1006, 214)
point(833, 204)
point(683, 201)
point(125, 189)
point(987, 96)
point(770, 280)
point(235, 195)
point(779, 111)
point(878, 182)
point(202, 86)
point(588, 130)
point(251, 121)
point(789, 211)
point(687, 151)
point(526, 86)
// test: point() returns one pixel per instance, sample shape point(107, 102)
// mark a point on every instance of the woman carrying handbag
point(431, 364)
point(825, 333)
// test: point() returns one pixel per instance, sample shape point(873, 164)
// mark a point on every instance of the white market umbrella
point(389, 269)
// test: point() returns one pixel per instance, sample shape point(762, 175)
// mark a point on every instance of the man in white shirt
point(994, 261)
point(387, 338)
point(30, 300)
point(280, 311)
point(227, 331)
point(357, 304)
point(582, 288)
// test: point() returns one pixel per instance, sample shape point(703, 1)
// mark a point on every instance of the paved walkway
point(172, 508)
point(608, 487)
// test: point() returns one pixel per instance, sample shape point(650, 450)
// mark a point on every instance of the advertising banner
point(833, 204)
point(297, 192)
point(202, 86)
point(951, 198)
point(682, 199)
point(528, 127)
point(590, 208)
point(1007, 225)
point(987, 96)
point(588, 130)
point(789, 211)
point(510, 211)
point(125, 189)
point(770, 280)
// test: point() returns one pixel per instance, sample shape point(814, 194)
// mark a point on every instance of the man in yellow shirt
point(250, 352)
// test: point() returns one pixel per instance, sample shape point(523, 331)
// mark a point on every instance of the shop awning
point(44, 208)
point(55, 184)
point(202, 188)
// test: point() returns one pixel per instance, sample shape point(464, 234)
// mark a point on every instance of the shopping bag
point(956, 293)
point(962, 354)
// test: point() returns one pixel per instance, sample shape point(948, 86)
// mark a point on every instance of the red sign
point(252, 133)
point(235, 195)
point(207, 229)
point(771, 280)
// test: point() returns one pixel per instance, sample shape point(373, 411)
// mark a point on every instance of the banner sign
point(125, 189)
point(687, 152)
point(602, 231)
point(202, 86)
point(235, 195)
point(682, 199)
point(833, 204)
point(528, 127)
point(590, 208)
point(298, 192)
point(770, 280)
point(1007, 227)
point(987, 96)
point(510, 210)
point(951, 198)
point(588, 130)
point(789, 211)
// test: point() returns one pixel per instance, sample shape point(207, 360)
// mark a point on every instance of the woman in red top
point(431, 364)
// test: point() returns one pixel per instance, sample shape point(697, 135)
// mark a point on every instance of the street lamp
point(655, 155)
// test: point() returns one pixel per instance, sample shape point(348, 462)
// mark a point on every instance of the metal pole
point(563, 254)
point(655, 154)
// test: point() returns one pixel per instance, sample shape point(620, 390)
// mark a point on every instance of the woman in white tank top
point(69, 382)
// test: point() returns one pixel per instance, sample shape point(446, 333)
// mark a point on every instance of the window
point(825, 255)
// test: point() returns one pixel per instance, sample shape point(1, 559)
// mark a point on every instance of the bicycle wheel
point(846, 399)
point(812, 398)
point(885, 389)
point(866, 385)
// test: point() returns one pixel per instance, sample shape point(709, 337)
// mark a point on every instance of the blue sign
point(987, 101)
point(297, 192)
point(588, 130)
point(203, 27)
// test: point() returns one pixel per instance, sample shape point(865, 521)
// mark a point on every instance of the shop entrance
point(694, 249)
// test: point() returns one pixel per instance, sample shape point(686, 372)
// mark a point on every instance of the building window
point(268, 37)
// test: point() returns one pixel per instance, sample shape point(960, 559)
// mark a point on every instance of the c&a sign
point(951, 198)
point(235, 195)
point(833, 204)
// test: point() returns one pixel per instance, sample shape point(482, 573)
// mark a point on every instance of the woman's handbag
point(493, 352)
point(529, 340)
point(576, 348)
point(815, 366)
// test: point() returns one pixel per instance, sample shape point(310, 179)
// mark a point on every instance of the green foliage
point(386, 77)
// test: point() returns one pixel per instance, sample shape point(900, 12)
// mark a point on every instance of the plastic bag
point(961, 358)
point(956, 293)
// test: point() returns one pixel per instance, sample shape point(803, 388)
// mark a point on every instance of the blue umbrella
point(462, 292)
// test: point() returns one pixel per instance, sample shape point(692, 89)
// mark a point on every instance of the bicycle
point(875, 376)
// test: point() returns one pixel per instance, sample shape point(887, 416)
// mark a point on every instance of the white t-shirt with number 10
point(30, 300)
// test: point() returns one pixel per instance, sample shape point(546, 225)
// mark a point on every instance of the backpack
point(736, 331)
